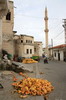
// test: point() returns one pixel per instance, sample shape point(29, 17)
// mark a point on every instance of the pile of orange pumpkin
point(33, 86)
point(29, 61)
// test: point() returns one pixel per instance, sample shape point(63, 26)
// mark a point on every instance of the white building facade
point(58, 55)
point(59, 52)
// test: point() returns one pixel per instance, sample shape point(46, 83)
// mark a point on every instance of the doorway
point(64, 56)
point(58, 56)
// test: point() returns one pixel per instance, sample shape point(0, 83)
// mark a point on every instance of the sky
point(29, 19)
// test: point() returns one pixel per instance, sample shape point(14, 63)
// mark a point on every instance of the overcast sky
point(29, 19)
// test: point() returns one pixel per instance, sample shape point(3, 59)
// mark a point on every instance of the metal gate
point(65, 56)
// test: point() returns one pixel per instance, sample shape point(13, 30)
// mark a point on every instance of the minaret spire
point(46, 13)
point(46, 31)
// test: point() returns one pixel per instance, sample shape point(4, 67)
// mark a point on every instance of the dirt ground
point(6, 80)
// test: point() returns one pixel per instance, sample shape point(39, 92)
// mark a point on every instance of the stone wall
point(0, 35)
point(7, 30)
point(38, 48)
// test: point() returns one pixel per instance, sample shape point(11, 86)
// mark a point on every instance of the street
point(55, 72)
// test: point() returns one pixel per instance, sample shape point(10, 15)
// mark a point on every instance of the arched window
point(21, 41)
point(8, 16)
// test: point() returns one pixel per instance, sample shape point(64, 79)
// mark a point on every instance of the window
point(21, 41)
point(27, 51)
point(8, 16)
point(30, 51)
point(31, 41)
point(35, 49)
point(26, 41)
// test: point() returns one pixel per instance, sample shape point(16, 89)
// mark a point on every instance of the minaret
point(46, 32)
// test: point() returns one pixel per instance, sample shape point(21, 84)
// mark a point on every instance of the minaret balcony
point(46, 18)
point(46, 30)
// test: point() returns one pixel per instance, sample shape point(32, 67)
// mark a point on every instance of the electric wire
point(58, 34)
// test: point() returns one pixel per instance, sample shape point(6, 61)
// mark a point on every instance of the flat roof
point(37, 42)
point(11, 1)
point(26, 35)
point(23, 35)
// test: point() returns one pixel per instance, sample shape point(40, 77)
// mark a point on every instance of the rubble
point(1, 86)
point(5, 65)
point(17, 66)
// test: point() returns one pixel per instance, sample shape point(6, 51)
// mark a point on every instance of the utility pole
point(65, 28)
point(65, 39)
point(52, 46)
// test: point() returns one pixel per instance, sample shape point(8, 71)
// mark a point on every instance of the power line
point(60, 39)
point(54, 27)
point(38, 17)
point(58, 34)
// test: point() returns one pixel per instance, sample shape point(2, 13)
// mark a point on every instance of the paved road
point(55, 72)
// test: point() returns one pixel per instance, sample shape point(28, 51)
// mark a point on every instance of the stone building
point(24, 45)
point(3, 12)
point(38, 48)
point(7, 29)
point(21, 45)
